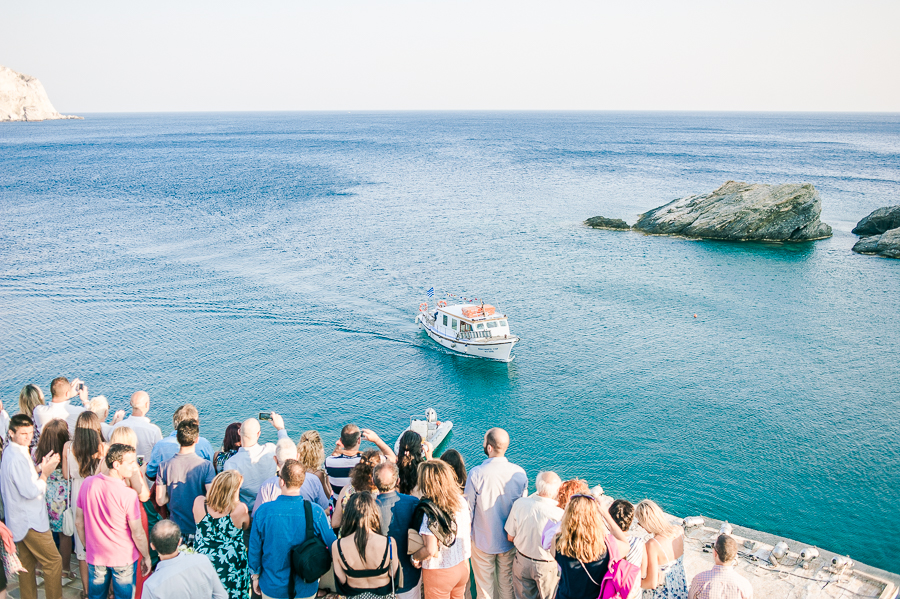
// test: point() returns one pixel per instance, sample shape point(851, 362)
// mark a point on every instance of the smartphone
point(265, 415)
point(140, 460)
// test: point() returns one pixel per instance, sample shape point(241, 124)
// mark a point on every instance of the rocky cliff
point(881, 233)
point(742, 212)
point(22, 98)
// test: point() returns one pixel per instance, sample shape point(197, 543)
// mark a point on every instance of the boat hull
point(492, 349)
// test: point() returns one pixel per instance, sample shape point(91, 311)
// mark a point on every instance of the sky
point(200, 55)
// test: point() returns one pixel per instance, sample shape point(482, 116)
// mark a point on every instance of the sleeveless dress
point(674, 581)
point(223, 543)
point(75, 480)
point(57, 496)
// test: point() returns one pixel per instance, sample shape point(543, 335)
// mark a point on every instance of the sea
point(249, 262)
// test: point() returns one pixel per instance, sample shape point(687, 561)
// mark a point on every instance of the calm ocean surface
point(247, 262)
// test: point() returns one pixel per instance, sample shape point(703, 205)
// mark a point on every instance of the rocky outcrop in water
point(601, 222)
point(881, 233)
point(742, 212)
point(22, 98)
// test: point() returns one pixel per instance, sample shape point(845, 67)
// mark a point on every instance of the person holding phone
point(62, 393)
point(253, 461)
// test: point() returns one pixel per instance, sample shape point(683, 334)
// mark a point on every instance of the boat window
point(492, 325)
point(479, 326)
point(453, 325)
point(445, 320)
point(502, 323)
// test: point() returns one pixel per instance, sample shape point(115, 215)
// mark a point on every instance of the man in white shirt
point(26, 509)
point(180, 575)
point(148, 434)
point(535, 574)
point(254, 461)
point(491, 489)
point(60, 406)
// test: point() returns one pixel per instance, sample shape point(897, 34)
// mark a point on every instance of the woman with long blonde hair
point(221, 519)
point(581, 547)
point(30, 397)
point(311, 453)
point(665, 553)
point(446, 532)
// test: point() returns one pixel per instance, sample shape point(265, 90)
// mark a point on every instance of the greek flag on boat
point(430, 292)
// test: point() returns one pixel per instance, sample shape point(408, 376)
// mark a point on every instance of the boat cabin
point(468, 321)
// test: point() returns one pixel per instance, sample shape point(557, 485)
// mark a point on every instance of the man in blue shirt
point(167, 448)
point(277, 527)
point(396, 518)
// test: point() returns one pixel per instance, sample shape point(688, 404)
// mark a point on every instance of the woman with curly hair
point(446, 533)
point(311, 453)
point(360, 480)
point(412, 452)
point(581, 547)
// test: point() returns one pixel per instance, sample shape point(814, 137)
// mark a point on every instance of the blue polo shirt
point(277, 527)
point(396, 519)
point(168, 447)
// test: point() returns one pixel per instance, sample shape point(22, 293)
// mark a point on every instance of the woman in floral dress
point(665, 554)
point(221, 520)
point(54, 437)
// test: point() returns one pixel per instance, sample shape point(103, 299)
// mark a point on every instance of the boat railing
point(473, 335)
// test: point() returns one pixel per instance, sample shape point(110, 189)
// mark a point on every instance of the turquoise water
point(246, 262)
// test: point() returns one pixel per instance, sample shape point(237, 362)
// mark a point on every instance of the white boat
point(429, 428)
point(469, 329)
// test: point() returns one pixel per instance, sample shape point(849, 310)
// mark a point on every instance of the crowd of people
point(168, 517)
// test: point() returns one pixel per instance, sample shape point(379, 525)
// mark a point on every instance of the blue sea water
point(247, 262)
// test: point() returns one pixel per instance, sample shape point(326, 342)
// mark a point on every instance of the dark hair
point(165, 536)
point(361, 474)
point(232, 438)
point(361, 516)
point(456, 461)
point(385, 476)
point(57, 384)
point(293, 473)
point(54, 436)
point(117, 452)
point(188, 432)
point(350, 435)
point(726, 548)
point(19, 421)
point(86, 443)
point(409, 456)
point(623, 513)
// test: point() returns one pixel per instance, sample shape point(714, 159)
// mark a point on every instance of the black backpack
point(311, 559)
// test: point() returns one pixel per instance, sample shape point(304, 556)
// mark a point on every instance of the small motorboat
point(469, 329)
point(429, 428)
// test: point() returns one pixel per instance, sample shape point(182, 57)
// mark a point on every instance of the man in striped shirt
point(347, 455)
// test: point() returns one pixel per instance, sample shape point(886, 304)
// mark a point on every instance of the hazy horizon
point(400, 55)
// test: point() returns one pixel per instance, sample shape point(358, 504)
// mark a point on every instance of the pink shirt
point(108, 505)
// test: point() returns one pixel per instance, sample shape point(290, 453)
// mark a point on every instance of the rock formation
point(881, 233)
point(601, 222)
point(742, 212)
point(22, 98)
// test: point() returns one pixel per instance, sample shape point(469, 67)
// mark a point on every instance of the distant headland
point(23, 98)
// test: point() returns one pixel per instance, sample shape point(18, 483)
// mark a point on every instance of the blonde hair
point(437, 482)
point(652, 519)
point(223, 493)
point(311, 451)
point(123, 434)
point(99, 405)
point(29, 398)
point(582, 531)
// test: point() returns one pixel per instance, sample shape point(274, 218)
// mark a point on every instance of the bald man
point(255, 462)
point(491, 489)
point(148, 434)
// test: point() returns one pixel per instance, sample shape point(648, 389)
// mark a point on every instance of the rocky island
point(601, 222)
point(742, 212)
point(880, 233)
point(23, 98)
